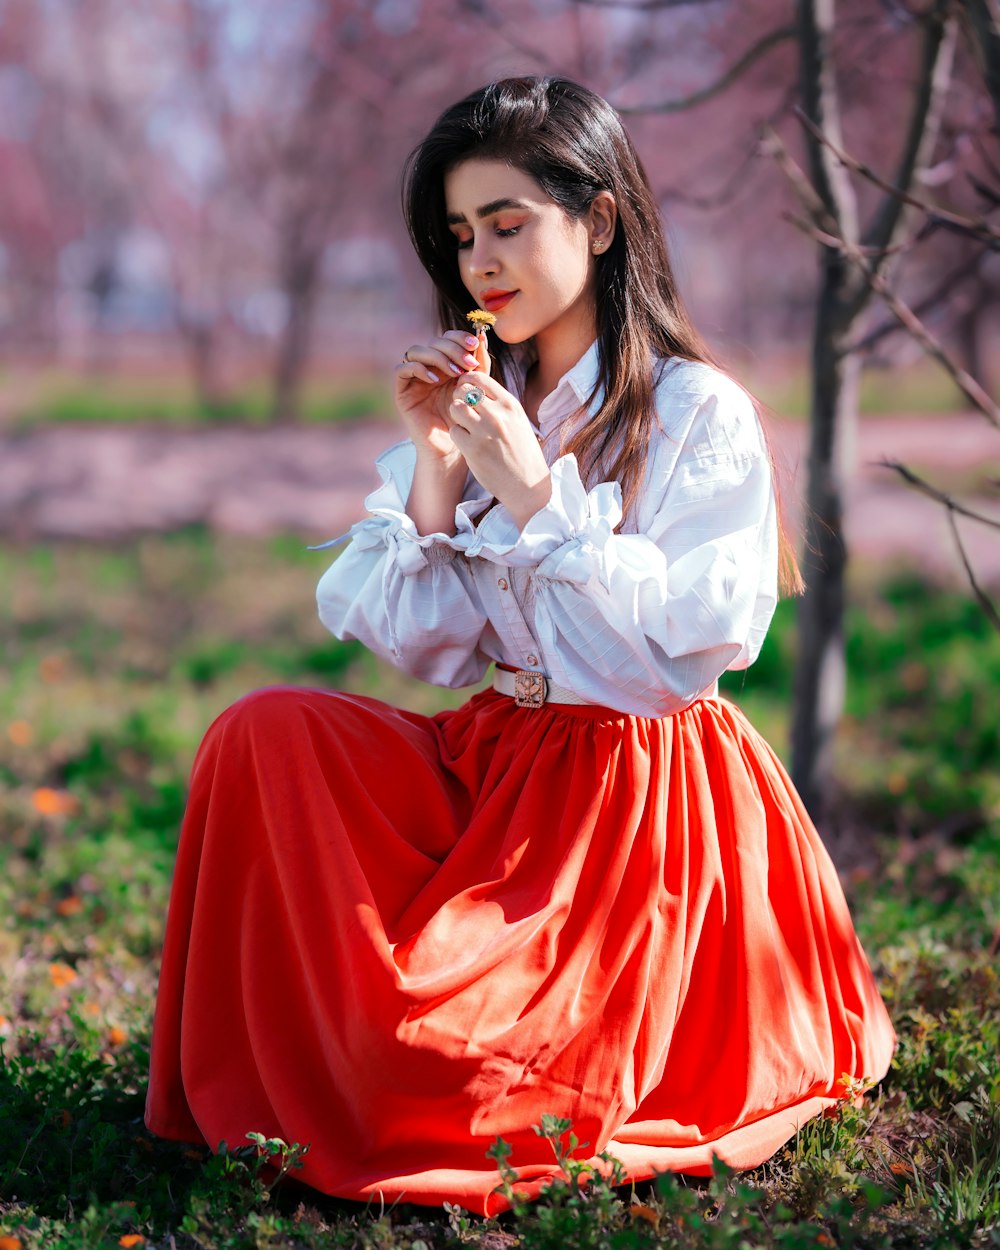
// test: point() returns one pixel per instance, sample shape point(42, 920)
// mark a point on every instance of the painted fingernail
point(433, 376)
point(456, 369)
point(471, 341)
point(470, 362)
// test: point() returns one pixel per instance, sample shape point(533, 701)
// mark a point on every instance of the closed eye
point(501, 233)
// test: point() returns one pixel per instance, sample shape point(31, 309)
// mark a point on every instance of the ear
point(602, 221)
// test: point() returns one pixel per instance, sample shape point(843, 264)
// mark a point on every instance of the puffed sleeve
point(644, 621)
point(408, 597)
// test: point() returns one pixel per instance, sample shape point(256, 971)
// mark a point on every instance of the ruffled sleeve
point(405, 595)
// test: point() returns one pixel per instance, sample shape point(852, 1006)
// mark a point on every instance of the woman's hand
point(500, 446)
point(425, 383)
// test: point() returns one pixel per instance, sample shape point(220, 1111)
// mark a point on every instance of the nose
point(481, 258)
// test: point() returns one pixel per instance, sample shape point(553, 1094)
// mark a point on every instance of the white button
point(532, 659)
point(502, 583)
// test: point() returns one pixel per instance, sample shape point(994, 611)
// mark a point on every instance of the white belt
point(530, 689)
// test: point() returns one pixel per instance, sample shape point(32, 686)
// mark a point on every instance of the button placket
point(519, 636)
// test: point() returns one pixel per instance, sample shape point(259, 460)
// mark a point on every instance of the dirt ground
point(106, 483)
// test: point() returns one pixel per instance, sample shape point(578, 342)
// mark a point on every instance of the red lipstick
point(494, 300)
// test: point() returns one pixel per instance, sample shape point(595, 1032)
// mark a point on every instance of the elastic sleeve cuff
point(573, 520)
point(389, 525)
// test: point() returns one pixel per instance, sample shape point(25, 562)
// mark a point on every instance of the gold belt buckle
point(530, 689)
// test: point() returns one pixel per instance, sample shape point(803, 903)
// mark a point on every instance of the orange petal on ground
point(116, 1036)
point(20, 733)
point(10, 1243)
point(51, 802)
point(71, 906)
point(130, 1239)
point(61, 975)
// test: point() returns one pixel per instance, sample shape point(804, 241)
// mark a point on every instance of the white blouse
point(642, 621)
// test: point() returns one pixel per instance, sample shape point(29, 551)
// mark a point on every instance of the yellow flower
point(480, 318)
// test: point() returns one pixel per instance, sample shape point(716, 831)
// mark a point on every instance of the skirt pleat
point(397, 937)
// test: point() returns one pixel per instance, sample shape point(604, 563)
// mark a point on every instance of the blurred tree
point(853, 66)
point(842, 298)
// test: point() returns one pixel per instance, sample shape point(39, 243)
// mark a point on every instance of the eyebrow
point(486, 210)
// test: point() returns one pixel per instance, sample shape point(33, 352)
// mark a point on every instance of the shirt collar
point(571, 393)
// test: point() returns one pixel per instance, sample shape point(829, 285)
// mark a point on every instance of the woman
point(590, 891)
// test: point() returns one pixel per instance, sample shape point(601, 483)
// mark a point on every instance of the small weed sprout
point(291, 1155)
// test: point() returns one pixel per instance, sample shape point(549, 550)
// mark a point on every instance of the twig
point(939, 496)
point(985, 602)
point(773, 145)
point(965, 382)
point(752, 54)
point(953, 507)
point(940, 292)
point(977, 228)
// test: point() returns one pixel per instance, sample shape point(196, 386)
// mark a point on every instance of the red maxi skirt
point(397, 938)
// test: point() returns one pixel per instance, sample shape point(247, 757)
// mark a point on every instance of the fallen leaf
point(71, 906)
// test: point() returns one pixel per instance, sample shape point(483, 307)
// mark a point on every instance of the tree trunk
point(200, 341)
point(296, 338)
point(820, 675)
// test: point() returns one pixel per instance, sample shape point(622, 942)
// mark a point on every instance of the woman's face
point(520, 255)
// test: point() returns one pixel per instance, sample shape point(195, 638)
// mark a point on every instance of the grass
point(60, 397)
point(116, 660)
point(121, 398)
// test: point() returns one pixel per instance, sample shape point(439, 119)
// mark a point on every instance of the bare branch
point(937, 54)
point(929, 301)
point(967, 384)
point(975, 227)
point(753, 54)
point(939, 496)
point(984, 600)
point(953, 507)
point(809, 197)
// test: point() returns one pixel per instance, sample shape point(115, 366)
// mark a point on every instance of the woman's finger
point(416, 371)
point(445, 353)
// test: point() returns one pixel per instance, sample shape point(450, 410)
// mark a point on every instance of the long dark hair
point(572, 142)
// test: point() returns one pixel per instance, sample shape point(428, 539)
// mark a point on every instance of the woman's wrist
point(436, 491)
point(526, 501)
